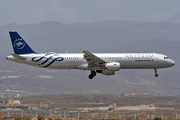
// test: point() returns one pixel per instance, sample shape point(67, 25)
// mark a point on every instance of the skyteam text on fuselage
point(104, 63)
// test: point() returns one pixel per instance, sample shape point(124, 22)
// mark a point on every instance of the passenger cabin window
point(165, 57)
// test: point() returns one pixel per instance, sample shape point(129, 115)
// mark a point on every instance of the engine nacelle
point(106, 72)
point(114, 66)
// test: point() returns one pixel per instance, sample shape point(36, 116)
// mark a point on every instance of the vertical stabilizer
point(19, 45)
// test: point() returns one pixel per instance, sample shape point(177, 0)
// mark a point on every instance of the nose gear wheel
point(155, 70)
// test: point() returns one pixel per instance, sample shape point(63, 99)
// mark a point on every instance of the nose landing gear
point(93, 73)
point(155, 70)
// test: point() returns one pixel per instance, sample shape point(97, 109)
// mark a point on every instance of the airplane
point(104, 63)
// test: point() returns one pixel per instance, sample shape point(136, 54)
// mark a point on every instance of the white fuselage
point(104, 63)
point(77, 61)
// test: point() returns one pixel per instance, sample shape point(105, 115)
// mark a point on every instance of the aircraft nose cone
point(172, 63)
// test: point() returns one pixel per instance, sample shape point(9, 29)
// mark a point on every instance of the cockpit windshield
point(165, 57)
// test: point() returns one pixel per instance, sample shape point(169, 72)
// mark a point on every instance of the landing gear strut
point(155, 70)
point(93, 73)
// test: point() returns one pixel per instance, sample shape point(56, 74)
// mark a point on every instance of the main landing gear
point(93, 73)
point(155, 70)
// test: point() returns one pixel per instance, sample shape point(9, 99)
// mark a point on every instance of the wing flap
point(93, 60)
point(88, 55)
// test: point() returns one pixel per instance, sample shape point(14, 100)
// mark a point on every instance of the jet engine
point(106, 72)
point(113, 66)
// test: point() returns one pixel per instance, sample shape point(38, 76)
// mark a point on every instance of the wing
point(93, 60)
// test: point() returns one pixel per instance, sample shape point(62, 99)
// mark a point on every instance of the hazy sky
point(72, 11)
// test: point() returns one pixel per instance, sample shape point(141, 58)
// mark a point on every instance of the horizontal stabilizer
point(18, 56)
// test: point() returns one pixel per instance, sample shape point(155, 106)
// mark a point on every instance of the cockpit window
point(165, 57)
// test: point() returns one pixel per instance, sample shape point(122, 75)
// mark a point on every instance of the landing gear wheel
point(91, 76)
point(156, 75)
point(93, 73)
point(155, 70)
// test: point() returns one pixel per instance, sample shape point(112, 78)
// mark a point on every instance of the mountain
point(101, 35)
point(104, 36)
point(174, 19)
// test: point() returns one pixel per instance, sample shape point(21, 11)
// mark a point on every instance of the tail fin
point(19, 45)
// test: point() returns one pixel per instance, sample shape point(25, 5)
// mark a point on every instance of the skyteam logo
point(19, 44)
point(46, 60)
